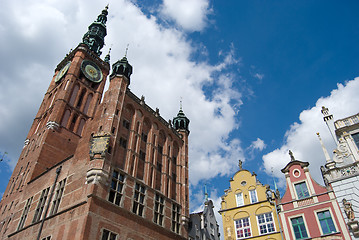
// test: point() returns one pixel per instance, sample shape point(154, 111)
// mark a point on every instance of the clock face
point(62, 72)
point(91, 71)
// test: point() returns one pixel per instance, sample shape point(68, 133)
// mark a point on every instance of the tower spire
point(328, 118)
point(181, 122)
point(326, 154)
point(95, 36)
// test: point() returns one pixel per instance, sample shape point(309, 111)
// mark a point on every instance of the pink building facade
point(307, 209)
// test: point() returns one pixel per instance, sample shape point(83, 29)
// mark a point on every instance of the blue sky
point(253, 75)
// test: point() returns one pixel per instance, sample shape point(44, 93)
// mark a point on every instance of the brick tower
point(98, 169)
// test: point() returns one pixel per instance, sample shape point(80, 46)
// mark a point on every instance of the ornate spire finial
point(126, 50)
point(107, 58)
point(181, 104)
point(328, 120)
point(291, 156)
point(205, 193)
point(240, 163)
point(95, 36)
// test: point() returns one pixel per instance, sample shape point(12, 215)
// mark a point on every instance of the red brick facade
point(91, 169)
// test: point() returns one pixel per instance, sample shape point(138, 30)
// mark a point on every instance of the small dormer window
point(302, 190)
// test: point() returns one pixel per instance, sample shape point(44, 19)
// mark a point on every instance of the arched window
point(87, 104)
point(65, 118)
point(81, 98)
point(81, 126)
point(73, 122)
point(74, 94)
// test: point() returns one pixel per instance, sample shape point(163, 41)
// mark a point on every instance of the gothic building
point(341, 171)
point(98, 169)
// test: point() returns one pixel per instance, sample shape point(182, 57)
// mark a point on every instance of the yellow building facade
point(246, 211)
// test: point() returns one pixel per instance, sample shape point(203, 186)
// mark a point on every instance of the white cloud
point(258, 144)
point(191, 15)
point(301, 137)
point(163, 73)
point(259, 76)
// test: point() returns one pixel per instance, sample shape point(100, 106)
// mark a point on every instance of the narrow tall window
point(326, 222)
point(81, 126)
point(176, 214)
point(41, 205)
point(356, 139)
point(239, 199)
point(253, 195)
point(107, 235)
point(243, 228)
point(302, 190)
point(299, 228)
point(65, 118)
point(138, 199)
point(87, 104)
point(116, 187)
point(73, 122)
point(265, 223)
point(158, 210)
point(81, 98)
point(24, 213)
point(74, 94)
point(58, 195)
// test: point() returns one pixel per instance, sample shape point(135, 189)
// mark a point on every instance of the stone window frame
point(116, 187)
point(139, 196)
point(266, 223)
point(304, 224)
point(253, 194)
point(239, 199)
point(108, 235)
point(25, 213)
point(176, 218)
point(301, 190)
point(58, 196)
point(41, 205)
point(319, 220)
point(244, 225)
point(158, 209)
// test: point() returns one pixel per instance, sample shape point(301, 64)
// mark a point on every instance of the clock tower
point(98, 165)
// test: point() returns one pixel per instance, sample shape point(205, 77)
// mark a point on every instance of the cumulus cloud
point(191, 15)
point(301, 137)
point(258, 144)
point(163, 73)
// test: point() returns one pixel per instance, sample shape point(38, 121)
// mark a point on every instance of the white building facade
point(341, 171)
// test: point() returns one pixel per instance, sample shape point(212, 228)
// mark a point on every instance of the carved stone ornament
point(99, 144)
point(52, 125)
point(96, 176)
point(341, 152)
point(348, 210)
point(27, 141)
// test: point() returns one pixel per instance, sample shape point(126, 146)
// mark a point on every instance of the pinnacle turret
point(181, 122)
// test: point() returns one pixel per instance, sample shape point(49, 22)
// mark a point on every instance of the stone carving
point(52, 125)
point(341, 152)
point(348, 210)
